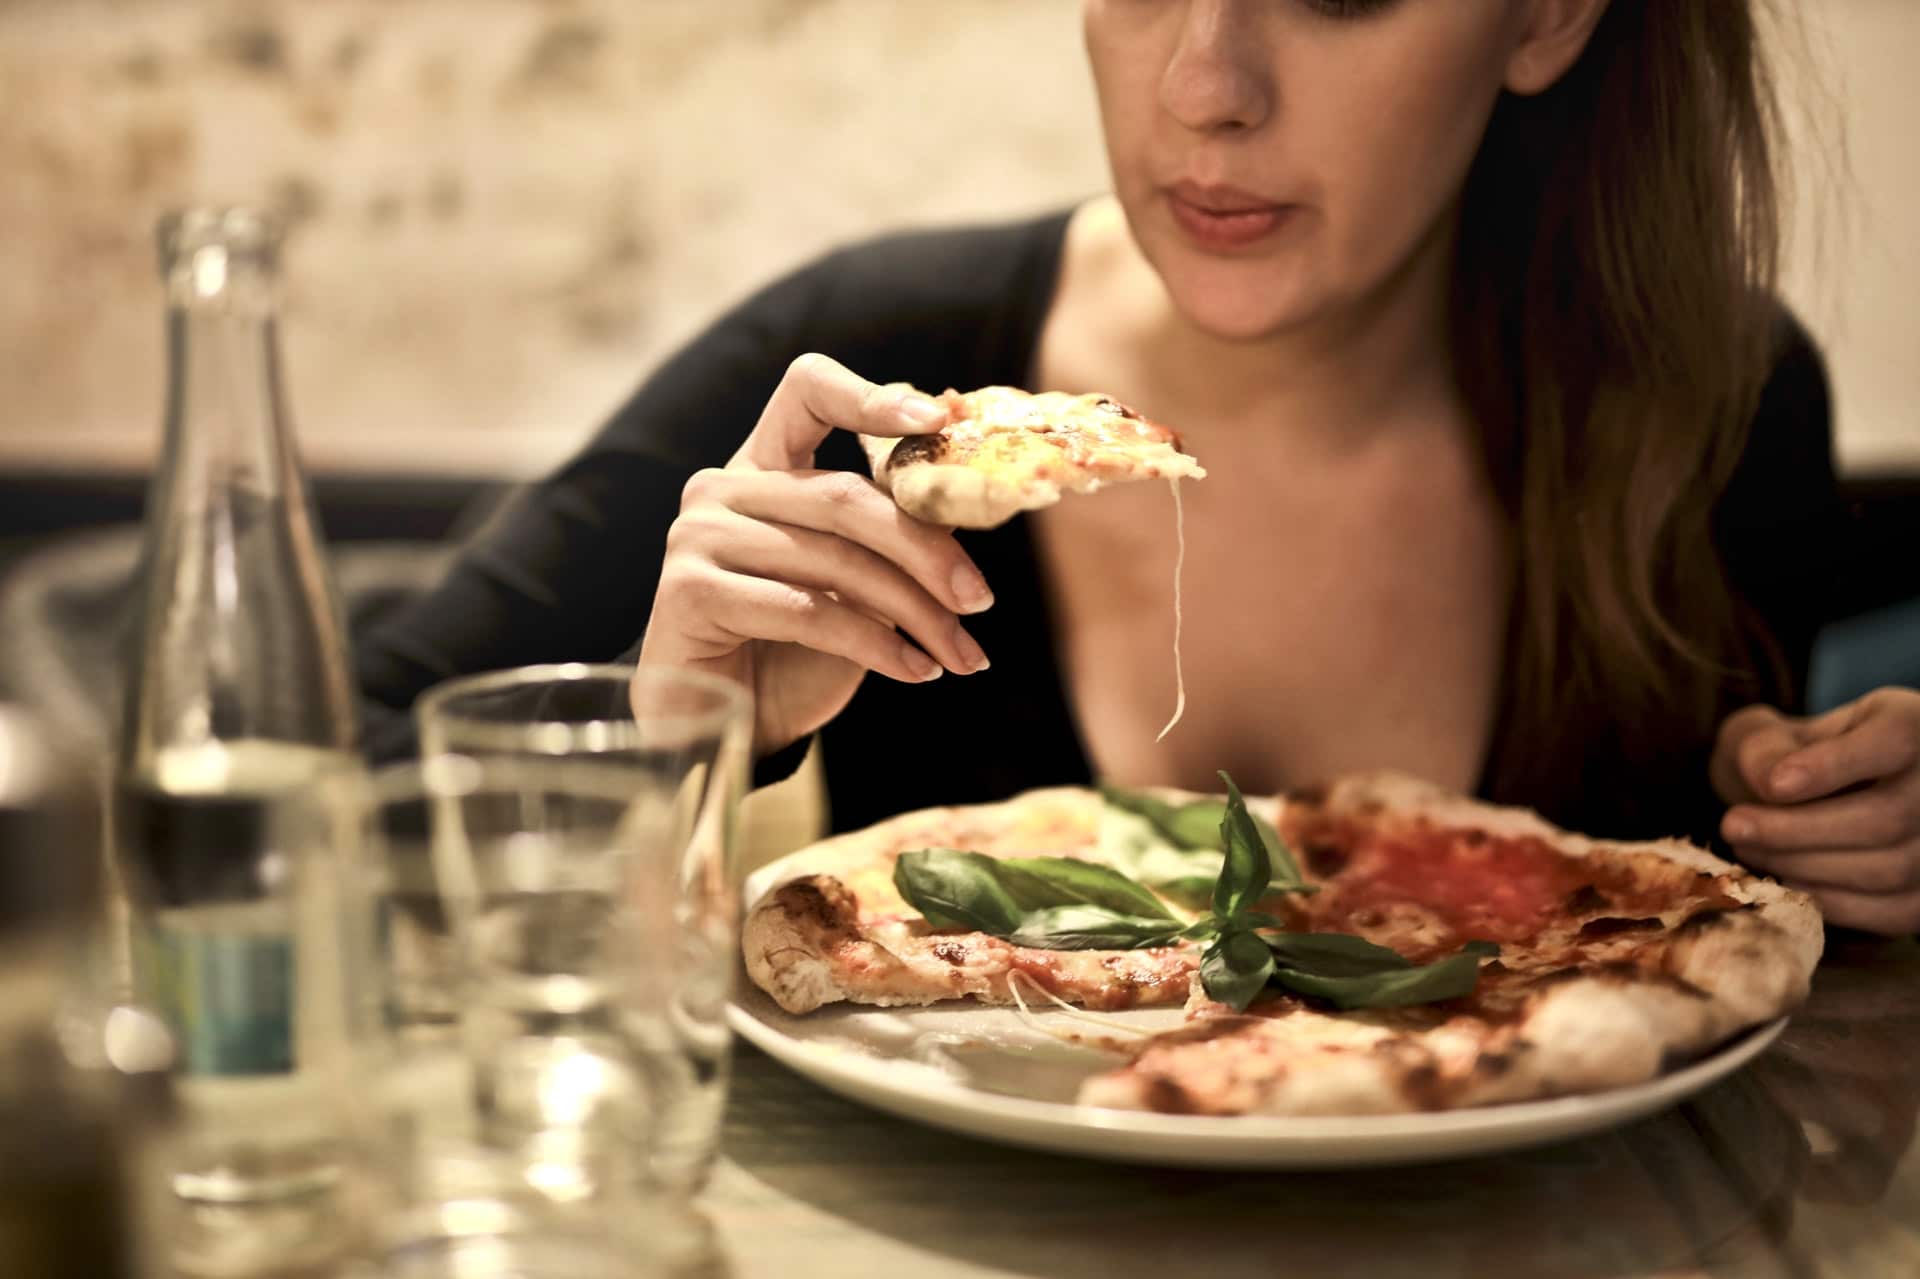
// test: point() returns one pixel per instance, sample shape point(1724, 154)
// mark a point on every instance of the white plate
point(986, 1073)
point(991, 1073)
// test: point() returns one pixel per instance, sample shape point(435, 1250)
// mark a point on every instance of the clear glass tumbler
point(681, 742)
point(498, 1033)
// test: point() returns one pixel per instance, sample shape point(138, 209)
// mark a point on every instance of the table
point(1801, 1166)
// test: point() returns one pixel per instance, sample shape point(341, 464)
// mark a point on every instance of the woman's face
point(1281, 160)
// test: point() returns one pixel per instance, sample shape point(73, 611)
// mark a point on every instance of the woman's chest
point(1322, 629)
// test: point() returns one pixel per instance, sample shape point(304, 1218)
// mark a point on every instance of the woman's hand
point(793, 581)
point(1830, 804)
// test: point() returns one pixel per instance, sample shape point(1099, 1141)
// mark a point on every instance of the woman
point(1518, 477)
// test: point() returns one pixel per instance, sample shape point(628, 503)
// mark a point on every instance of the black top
point(568, 573)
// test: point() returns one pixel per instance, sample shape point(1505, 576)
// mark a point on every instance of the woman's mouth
point(1222, 219)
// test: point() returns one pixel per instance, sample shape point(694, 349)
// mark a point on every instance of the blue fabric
point(1855, 656)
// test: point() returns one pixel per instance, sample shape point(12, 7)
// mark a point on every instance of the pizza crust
point(833, 929)
point(961, 496)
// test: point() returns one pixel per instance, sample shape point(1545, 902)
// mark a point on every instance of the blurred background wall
point(507, 210)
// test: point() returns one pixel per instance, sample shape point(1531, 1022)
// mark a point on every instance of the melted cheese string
point(1066, 1037)
point(1179, 565)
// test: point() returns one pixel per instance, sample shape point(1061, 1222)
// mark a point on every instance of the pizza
point(1562, 964)
point(1005, 451)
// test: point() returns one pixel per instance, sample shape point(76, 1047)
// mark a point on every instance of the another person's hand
point(793, 580)
point(1830, 804)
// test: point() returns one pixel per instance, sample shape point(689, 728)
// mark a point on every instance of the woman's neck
point(1379, 367)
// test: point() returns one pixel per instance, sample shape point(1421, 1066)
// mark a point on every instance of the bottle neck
point(225, 416)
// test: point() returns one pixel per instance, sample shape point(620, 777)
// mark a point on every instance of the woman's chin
point(1239, 312)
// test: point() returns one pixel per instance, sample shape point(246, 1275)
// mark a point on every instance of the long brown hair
point(1615, 317)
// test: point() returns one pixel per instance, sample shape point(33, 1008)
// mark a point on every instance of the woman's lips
point(1225, 220)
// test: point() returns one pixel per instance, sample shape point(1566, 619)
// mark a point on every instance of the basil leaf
point(1197, 825)
point(1194, 825)
point(1156, 810)
point(1192, 891)
point(955, 889)
point(1235, 969)
point(1335, 954)
point(1140, 850)
point(1448, 978)
point(1039, 882)
point(1243, 880)
point(1083, 927)
point(1285, 870)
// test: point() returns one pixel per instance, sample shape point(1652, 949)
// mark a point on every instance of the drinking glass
point(510, 925)
point(681, 740)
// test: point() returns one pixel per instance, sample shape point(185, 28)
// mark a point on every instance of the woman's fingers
point(856, 576)
point(849, 506)
point(1880, 871)
point(818, 394)
point(1876, 817)
point(1874, 740)
point(1893, 914)
point(742, 608)
point(1751, 743)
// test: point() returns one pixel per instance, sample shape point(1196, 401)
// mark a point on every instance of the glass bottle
point(240, 700)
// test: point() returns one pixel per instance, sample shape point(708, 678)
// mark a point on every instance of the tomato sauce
point(1481, 886)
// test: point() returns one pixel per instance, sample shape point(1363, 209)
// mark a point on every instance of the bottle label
point(229, 997)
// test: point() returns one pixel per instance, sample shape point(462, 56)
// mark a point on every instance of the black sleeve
point(568, 571)
point(1779, 522)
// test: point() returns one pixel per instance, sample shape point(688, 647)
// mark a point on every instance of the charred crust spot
point(1108, 405)
point(1474, 837)
point(1613, 926)
point(1493, 1064)
point(1169, 1098)
point(1324, 857)
point(1422, 1085)
point(1586, 900)
point(1626, 971)
point(1417, 1075)
point(820, 900)
point(955, 953)
point(917, 448)
point(1710, 916)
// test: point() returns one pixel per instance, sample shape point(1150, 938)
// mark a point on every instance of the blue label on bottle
point(229, 997)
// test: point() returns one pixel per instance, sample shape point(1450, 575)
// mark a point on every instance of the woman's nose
point(1217, 81)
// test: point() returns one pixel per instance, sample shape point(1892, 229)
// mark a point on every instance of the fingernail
point(1737, 828)
point(970, 652)
point(923, 667)
point(971, 589)
point(918, 410)
point(1789, 780)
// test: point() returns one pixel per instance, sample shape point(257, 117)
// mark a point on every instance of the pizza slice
point(1006, 451)
point(840, 930)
